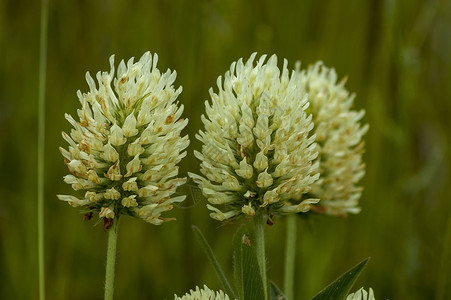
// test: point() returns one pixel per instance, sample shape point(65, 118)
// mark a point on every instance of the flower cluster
point(203, 294)
point(361, 294)
point(123, 153)
point(338, 139)
point(258, 151)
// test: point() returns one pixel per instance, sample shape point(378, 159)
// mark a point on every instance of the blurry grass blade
point(338, 289)
point(211, 257)
point(246, 270)
point(41, 144)
point(275, 292)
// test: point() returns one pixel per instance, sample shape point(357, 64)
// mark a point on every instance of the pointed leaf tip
point(339, 289)
point(275, 292)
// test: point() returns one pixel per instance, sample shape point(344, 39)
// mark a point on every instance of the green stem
point(259, 223)
point(41, 139)
point(111, 260)
point(290, 254)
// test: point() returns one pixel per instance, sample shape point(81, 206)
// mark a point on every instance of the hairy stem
point(260, 222)
point(111, 260)
point(290, 254)
point(41, 139)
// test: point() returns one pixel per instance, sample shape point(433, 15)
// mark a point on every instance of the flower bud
point(245, 170)
point(109, 153)
point(112, 194)
point(114, 172)
point(130, 185)
point(129, 201)
point(264, 180)
point(129, 128)
point(248, 210)
point(133, 166)
point(116, 136)
point(106, 212)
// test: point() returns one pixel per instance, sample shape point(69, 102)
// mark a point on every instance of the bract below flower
point(124, 150)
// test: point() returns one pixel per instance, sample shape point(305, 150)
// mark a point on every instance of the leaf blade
point(339, 288)
point(275, 292)
point(246, 270)
point(216, 266)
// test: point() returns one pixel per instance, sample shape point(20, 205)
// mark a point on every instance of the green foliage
point(214, 262)
point(246, 270)
point(397, 57)
point(339, 289)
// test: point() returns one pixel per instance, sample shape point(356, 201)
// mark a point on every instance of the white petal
point(129, 128)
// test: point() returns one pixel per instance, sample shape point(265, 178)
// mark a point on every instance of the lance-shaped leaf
point(211, 257)
point(275, 292)
point(338, 289)
point(246, 271)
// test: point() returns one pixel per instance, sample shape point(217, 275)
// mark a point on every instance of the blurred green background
point(397, 55)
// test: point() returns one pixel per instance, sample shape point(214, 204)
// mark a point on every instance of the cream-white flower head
point(203, 294)
point(124, 151)
point(338, 138)
point(257, 148)
point(361, 294)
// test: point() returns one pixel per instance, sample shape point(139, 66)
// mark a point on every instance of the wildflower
point(257, 149)
point(203, 294)
point(361, 294)
point(123, 153)
point(338, 139)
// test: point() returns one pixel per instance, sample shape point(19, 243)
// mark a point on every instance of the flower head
point(361, 294)
point(338, 139)
point(123, 153)
point(203, 294)
point(257, 149)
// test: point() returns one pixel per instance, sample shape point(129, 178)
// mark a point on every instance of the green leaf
point(211, 257)
point(246, 271)
point(275, 292)
point(339, 289)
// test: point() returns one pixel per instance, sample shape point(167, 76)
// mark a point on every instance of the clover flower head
point(203, 294)
point(338, 139)
point(361, 294)
point(124, 150)
point(257, 149)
